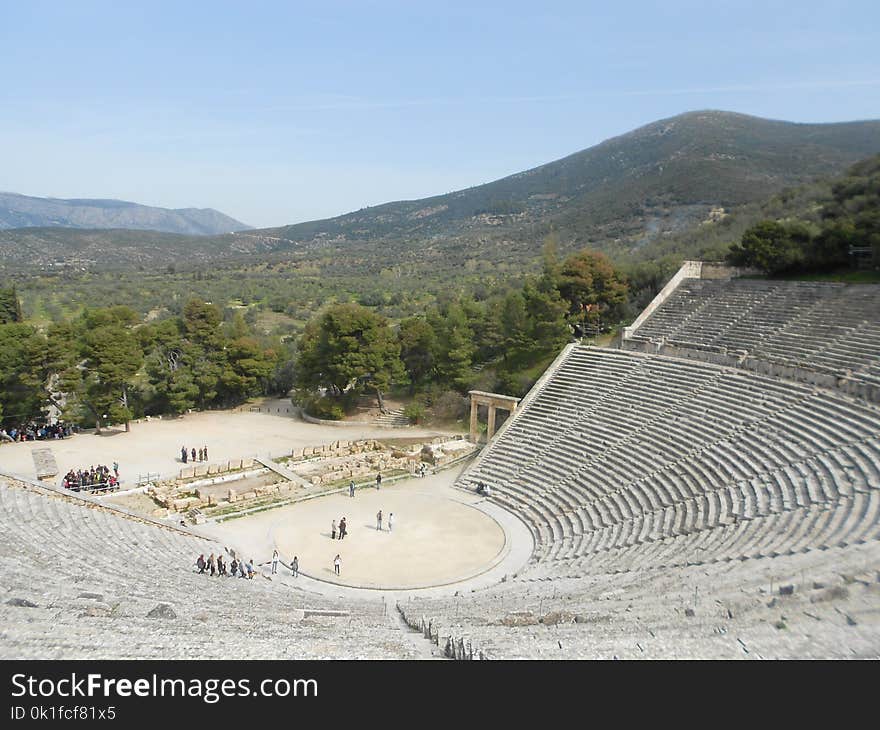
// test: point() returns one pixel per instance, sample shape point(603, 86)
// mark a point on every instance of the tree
point(22, 396)
point(772, 247)
point(111, 357)
point(592, 286)
point(418, 346)
point(348, 347)
point(455, 346)
point(10, 306)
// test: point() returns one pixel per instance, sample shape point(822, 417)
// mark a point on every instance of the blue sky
point(279, 112)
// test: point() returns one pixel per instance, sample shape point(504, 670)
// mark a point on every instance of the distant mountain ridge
point(629, 195)
point(655, 179)
point(24, 211)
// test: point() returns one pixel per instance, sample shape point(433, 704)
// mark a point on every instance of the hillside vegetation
point(625, 195)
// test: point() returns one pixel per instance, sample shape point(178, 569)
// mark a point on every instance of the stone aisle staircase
point(394, 419)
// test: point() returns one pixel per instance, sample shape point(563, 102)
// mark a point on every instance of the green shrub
point(414, 412)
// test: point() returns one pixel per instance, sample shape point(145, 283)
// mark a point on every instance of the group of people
point(37, 432)
point(92, 479)
point(343, 529)
point(217, 566)
point(379, 521)
point(200, 455)
point(294, 564)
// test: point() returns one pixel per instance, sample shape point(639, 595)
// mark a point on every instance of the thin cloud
point(739, 88)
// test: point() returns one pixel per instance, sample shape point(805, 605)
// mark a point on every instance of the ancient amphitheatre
point(709, 488)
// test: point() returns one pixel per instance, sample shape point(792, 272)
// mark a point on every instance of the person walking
point(194, 453)
point(294, 566)
point(212, 564)
point(378, 480)
point(206, 453)
point(337, 563)
point(250, 569)
point(333, 530)
point(221, 566)
point(274, 562)
point(233, 567)
point(351, 488)
point(200, 455)
point(183, 454)
point(343, 528)
point(379, 520)
point(201, 564)
point(116, 469)
point(390, 521)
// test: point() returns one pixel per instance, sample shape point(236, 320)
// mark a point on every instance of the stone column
point(491, 431)
point(473, 420)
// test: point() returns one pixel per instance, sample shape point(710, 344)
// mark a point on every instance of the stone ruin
point(199, 490)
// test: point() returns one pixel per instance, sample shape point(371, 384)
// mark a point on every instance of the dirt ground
point(437, 535)
point(154, 447)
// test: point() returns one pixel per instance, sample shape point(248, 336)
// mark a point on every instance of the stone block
point(187, 472)
point(231, 495)
point(247, 463)
point(212, 469)
point(201, 471)
point(234, 464)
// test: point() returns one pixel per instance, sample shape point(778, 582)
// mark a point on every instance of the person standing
point(206, 453)
point(212, 564)
point(379, 520)
point(221, 566)
point(294, 566)
point(201, 564)
point(390, 521)
point(183, 454)
point(337, 563)
point(194, 453)
point(116, 469)
point(274, 562)
point(250, 569)
point(333, 530)
point(233, 567)
point(351, 488)
point(378, 480)
point(342, 528)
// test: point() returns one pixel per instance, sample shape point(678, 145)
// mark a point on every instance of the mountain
point(659, 178)
point(20, 211)
point(627, 196)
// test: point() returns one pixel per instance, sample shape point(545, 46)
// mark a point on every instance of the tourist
point(233, 567)
point(337, 563)
point(343, 528)
point(250, 569)
point(242, 573)
point(274, 562)
point(221, 566)
point(205, 450)
point(294, 566)
point(379, 520)
point(212, 564)
point(201, 564)
point(351, 488)
point(200, 455)
point(333, 530)
point(390, 521)
point(194, 454)
point(183, 454)
point(378, 480)
point(116, 469)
